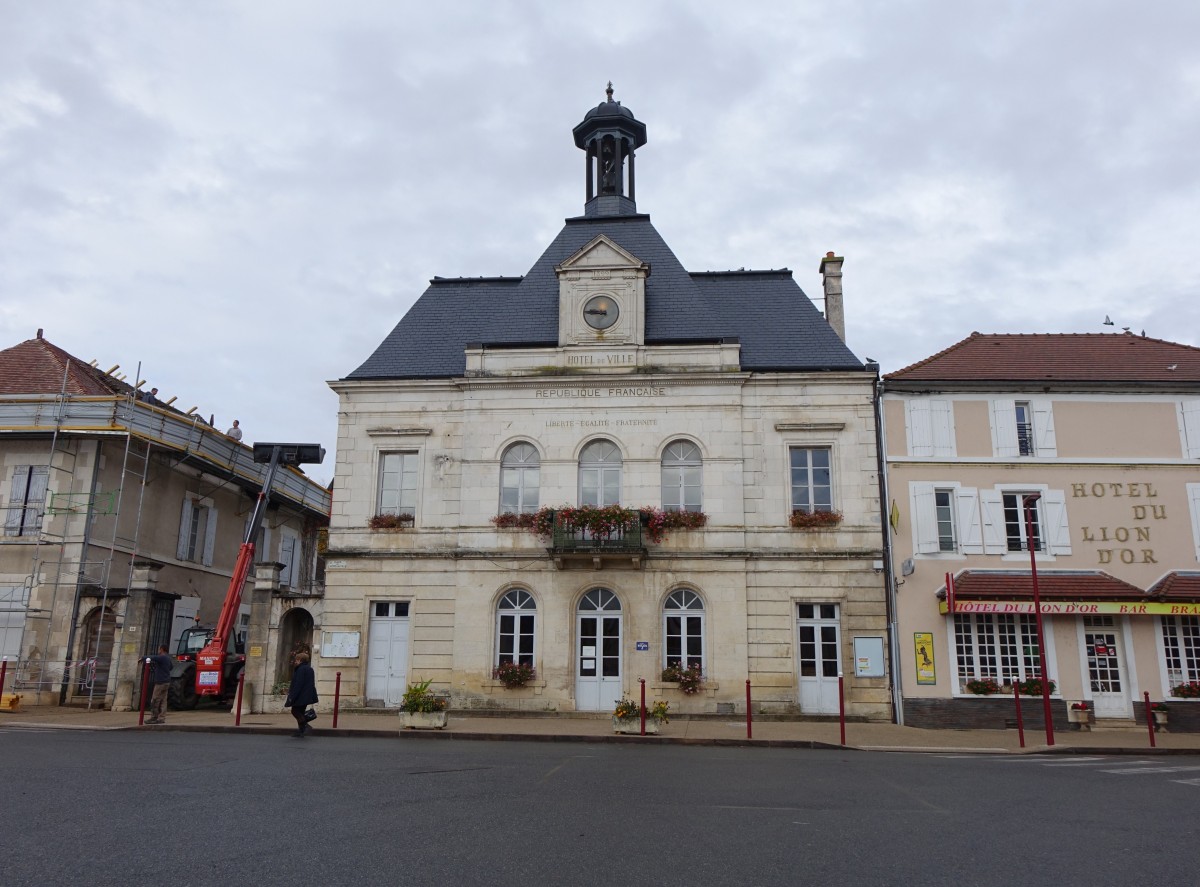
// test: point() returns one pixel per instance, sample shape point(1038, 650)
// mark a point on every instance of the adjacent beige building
point(610, 377)
point(1105, 430)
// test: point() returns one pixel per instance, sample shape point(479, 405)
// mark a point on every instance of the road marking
point(1142, 770)
point(1187, 781)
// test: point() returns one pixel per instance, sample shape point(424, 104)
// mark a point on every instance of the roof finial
point(608, 92)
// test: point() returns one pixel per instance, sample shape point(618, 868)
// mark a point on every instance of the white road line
point(1187, 781)
point(1142, 770)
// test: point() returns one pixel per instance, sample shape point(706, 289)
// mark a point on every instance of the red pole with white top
point(1029, 502)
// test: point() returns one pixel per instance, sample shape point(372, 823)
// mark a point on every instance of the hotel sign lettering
point(1076, 608)
point(1123, 543)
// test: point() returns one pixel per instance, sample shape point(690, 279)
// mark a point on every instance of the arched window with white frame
point(683, 630)
point(516, 621)
point(681, 466)
point(600, 474)
point(520, 471)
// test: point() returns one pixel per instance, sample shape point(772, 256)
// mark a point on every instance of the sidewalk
point(707, 731)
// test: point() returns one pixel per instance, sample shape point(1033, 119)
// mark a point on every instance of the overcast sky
point(245, 197)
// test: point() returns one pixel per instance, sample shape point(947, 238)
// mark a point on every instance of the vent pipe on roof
point(831, 279)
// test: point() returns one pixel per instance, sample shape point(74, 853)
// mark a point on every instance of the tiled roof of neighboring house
point(1057, 357)
point(1060, 585)
point(779, 328)
point(37, 367)
point(1177, 584)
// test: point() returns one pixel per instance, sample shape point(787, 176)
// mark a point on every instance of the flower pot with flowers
point(803, 519)
point(390, 521)
point(983, 686)
point(1159, 710)
point(514, 674)
point(421, 707)
point(1187, 690)
point(1033, 687)
point(627, 716)
point(689, 678)
point(1080, 714)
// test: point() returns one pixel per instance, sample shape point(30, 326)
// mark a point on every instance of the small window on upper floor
point(681, 466)
point(26, 500)
point(811, 478)
point(398, 483)
point(197, 531)
point(520, 470)
point(1023, 428)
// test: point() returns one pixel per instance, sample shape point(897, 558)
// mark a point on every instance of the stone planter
point(634, 725)
point(422, 720)
point(1080, 716)
point(1160, 721)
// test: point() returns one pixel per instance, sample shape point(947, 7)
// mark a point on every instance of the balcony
point(623, 546)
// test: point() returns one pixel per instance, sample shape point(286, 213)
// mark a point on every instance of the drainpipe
point(889, 576)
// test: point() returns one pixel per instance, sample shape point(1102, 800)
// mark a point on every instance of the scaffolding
point(69, 531)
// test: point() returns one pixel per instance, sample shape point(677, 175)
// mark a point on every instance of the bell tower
point(608, 136)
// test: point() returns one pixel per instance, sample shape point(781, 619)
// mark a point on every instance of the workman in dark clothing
point(160, 678)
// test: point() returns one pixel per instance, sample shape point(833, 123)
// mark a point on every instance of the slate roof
point(779, 328)
point(36, 366)
point(1057, 357)
point(1053, 585)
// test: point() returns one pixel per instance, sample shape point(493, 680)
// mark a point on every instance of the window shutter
point(210, 535)
point(1189, 428)
point(920, 438)
point(991, 508)
point(925, 538)
point(1043, 429)
point(1004, 429)
point(16, 500)
point(970, 531)
point(287, 556)
point(185, 529)
point(35, 498)
point(941, 419)
point(1193, 494)
point(1058, 534)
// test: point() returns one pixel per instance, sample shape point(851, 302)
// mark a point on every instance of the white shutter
point(1189, 428)
point(924, 519)
point(1004, 428)
point(1043, 429)
point(210, 535)
point(16, 499)
point(288, 556)
point(941, 421)
point(1193, 494)
point(185, 529)
point(1054, 512)
point(970, 531)
point(920, 438)
point(991, 508)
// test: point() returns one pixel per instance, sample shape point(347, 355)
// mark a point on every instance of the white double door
point(818, 659)
point(387, 659)
point(598, 651)
point(1102, 639)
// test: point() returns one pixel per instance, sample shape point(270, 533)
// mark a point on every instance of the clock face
point(600, 312)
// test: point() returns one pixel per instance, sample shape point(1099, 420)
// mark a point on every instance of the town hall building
point(606, 469)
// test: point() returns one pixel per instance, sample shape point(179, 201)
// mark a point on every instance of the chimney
point(831, 279)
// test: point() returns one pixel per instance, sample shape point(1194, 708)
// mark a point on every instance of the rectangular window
point(943, 502)
point(812, 484)
point(1015, 526)
point(26, 500)
point(1001, 647)
point(14, 603)
point(1024, 416)
point(398, 483)
point(1181, 646)
point(197, 531)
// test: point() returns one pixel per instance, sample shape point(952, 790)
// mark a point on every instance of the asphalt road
point(133, 808)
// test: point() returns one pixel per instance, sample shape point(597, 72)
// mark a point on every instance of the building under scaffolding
point(122, 521)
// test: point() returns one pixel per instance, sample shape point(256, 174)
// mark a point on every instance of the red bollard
point(842, 705)
point(337, 694)
point(142, 705)
point(749, 719)
point(1020, 720)
point(3, 674)
point(642, 681)
point(237, 720)
point(1149, 718)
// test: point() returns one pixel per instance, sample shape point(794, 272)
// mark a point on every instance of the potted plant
point(657, 522)
point(690, 679)
point(390, 521)
point(1080, 713)
point(513, 674)
point(1159, 710)
point(1033, 687)
point(814, 520)
point(420, 707)
point(627, 716)
point(1187, 690)
point(983, 686)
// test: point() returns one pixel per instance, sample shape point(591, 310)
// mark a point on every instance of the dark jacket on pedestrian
point(160, 668)
point(303, 690)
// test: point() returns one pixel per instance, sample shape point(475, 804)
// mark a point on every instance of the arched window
point(520, 467)
point(516, 615)
point(683, 629)
point(681, 477)
point(600, 474)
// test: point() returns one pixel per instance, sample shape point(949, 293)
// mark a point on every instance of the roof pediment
point(601, 253)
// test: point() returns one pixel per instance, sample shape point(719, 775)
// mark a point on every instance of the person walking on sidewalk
point(302, 693)
point(160, 677)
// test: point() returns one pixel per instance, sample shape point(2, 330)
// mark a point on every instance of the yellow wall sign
point(923, 648)
point(1076, 608)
